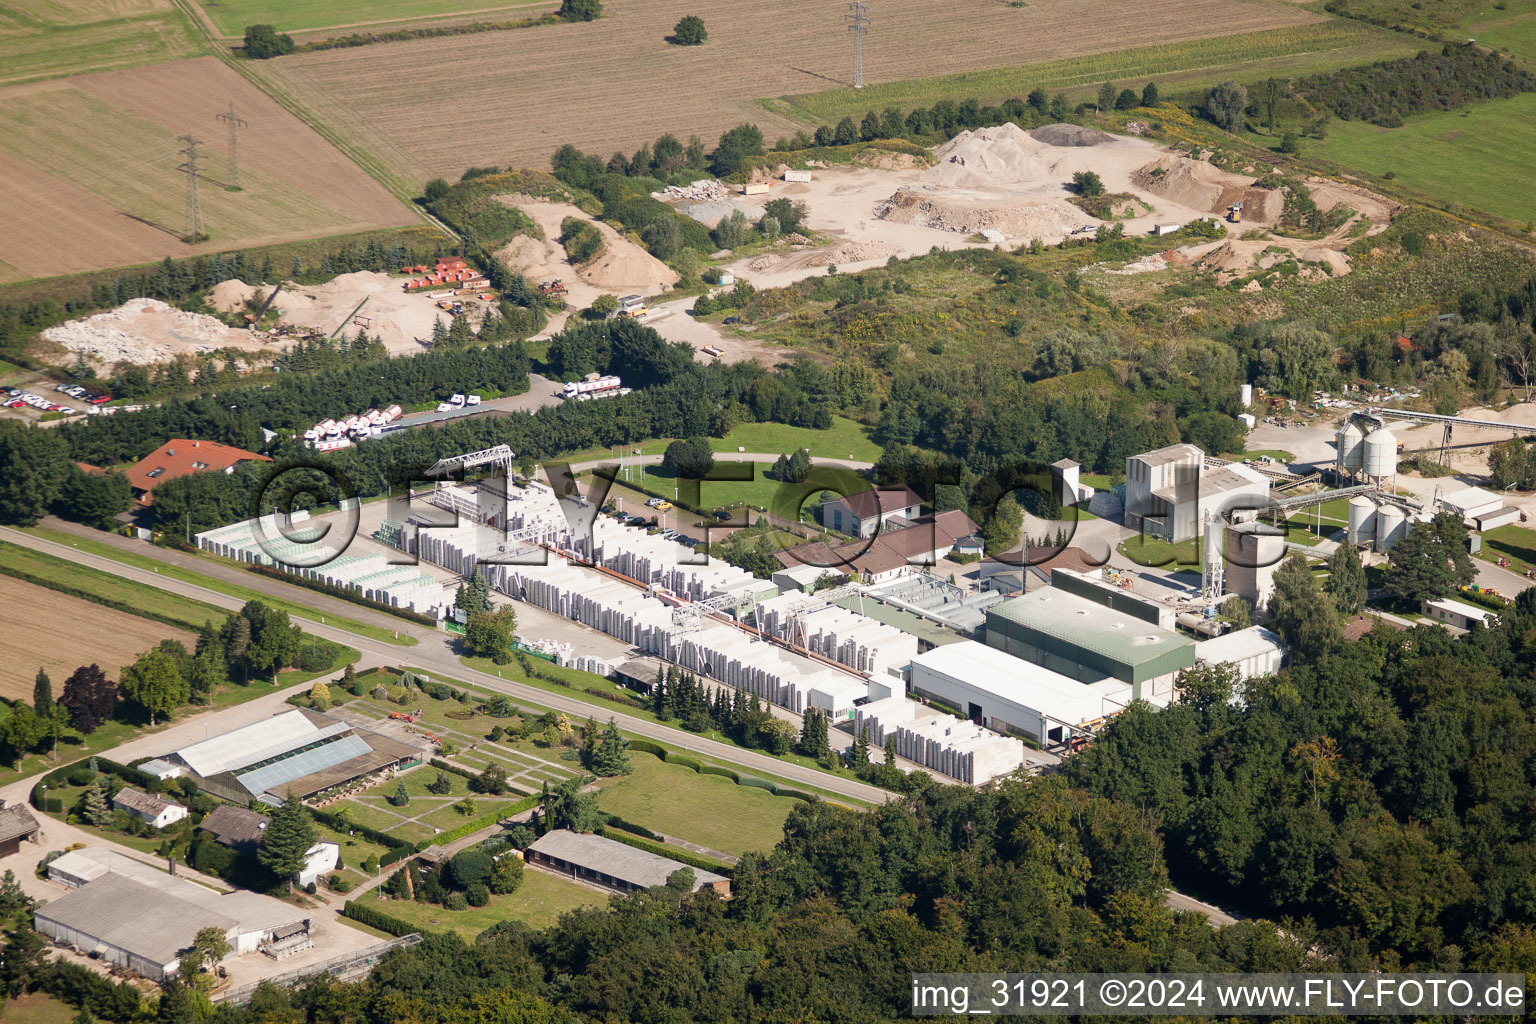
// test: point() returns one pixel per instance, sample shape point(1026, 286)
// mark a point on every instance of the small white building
point(1254, 651)
point(1480, 509)
point(1459, 613)
point(862, 514)
point(321, 859)
point(792, 175)
point(158, 812)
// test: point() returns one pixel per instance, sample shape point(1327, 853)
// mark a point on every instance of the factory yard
point(58, 633)
point(89, 162)
point(618, 80)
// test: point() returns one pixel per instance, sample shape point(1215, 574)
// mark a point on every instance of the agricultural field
point(230, 17)
point(1512, 29)
point(91, 162)
point(58, 633)
point(707, 809)
point(1191, 64)
point(1478, 157)
point(67, 37)
point(618, 83)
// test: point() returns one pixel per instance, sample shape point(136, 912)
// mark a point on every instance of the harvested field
point(90, 163)
point(58, 633)
point(618, 83)
point(68, 37)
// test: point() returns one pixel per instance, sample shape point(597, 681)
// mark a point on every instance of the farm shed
point(16, 827)
point(613, 865)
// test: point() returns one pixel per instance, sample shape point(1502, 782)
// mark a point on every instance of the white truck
point(456, 400)
point(471, 399)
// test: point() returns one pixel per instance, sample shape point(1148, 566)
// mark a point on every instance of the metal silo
point(1362, 520)
point(1350, 442)
point(1391, 525)
point(1380, 454)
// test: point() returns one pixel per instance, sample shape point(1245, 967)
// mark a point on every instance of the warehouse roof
point(1057, 697)
point(1471, 499)
point(144, 920)
point(1089, 625)
point(1240, 645)
point(616, 860)
point(249, 744)
point(1172, 453)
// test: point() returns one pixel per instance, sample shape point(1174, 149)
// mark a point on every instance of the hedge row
point(341, 593)
point(484, 821)
point(651, 747)
point(630, 826)
point(365, 914)
point(453, 769)
point(676, 853)
point(59, 777)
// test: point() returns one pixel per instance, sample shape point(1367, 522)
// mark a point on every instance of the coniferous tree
point(1346, 579)
point(612, 754)
point(42, 694)
point(93, 805)
point(287, 840)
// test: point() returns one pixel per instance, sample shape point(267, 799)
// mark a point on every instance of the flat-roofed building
point(1170, 492)
point(1088, 641)
point(1010, 695)
point(1254, 652)
point(613, 865)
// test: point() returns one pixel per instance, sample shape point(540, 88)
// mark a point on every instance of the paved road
point(1176, 900)
point(436, 655)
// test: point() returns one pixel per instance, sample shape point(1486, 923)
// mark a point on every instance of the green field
point(65, 37)
point(538, 902)
point(37, 1008)
point(1151, 551)
point(1198, 63)
point(707, 809)
point(1512, 30)
point(232, 16)
point(292, 606)
point(1479, 157)
point(845, 439)
point(1516, 543)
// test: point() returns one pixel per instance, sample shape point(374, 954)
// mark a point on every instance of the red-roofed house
point(861, 514)
point(179, 457)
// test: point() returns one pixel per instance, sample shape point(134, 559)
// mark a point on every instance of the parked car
point(733, 319)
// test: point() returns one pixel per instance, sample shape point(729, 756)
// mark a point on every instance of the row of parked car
point(15, 398)
point(639, 521)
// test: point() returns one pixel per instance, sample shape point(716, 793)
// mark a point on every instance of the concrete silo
point(1254, 552)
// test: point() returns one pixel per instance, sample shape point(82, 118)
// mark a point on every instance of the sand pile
point(1004, 155)
point(1069, 135)
point(402, 320)
point(1200, 186)
point(229, 296)
point(147, 331)
point(835, 255)
point(623, 266)
point(934, 209)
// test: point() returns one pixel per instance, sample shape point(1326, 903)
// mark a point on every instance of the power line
point(194, 215)
point(858, 24)
point(234, 161)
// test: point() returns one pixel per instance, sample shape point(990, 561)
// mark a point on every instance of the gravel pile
point(145, 332)
point(705, 190)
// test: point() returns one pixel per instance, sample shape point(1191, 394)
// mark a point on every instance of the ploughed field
point(437, 106)
point(90, 164)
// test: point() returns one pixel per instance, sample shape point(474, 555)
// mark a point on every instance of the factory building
point(1009, 695)
point(1088, 641)
point(142, 921)
point(1254, 652)
point(1480, 509)
point(951, 746)
point(1170, 492)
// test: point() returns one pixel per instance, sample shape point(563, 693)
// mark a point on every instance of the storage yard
point(90, 166)
point(402, 320)
point(619, 81)
point(147, 331)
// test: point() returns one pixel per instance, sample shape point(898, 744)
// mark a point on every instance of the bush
point(456, 901)
point(690, 31)
point(264, 41)
point(477, 895)
point(581, 10)
point(580, 238)
point(470, 868)
point(339, 883)
point(365, 913)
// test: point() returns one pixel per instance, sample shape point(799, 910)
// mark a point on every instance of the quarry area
point(365, 300)
point(1007, 186)
point(147, 331)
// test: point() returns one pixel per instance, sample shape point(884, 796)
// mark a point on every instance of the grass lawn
point(705, 809)
point(293, 606)
point(69, 37)
point(1513, 31)
point(1478, 157)
point(37, 1008)
point(539, 902)
point(231, 16)
point(1516, 543)
point(1151, 551)
point(845, 439)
